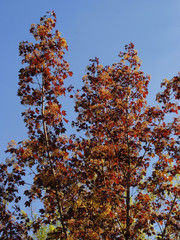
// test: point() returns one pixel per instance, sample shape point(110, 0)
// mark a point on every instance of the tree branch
point(51, 164)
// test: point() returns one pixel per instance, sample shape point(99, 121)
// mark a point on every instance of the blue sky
point(92, 28)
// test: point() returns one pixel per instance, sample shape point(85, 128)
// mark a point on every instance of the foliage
point(120, 179)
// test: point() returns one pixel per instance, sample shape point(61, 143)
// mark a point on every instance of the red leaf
point(65, 120)
point(111, 214)
point(63, 112)
point(70, 74)
point(35, 156)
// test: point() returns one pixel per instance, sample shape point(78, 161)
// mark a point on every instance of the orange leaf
point(37, 111)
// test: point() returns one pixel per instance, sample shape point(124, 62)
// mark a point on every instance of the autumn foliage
point(120, 179)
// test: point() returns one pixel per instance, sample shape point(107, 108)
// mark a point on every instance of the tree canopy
point(118, 178)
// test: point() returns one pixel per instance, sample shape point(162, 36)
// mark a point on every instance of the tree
point(44, 154)
point(120, 179)
point(123, 134)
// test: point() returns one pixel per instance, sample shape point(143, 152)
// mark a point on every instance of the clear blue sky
point(92, 28)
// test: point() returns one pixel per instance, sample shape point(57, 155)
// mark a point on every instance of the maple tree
point(44, 153)
point(120, 179)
